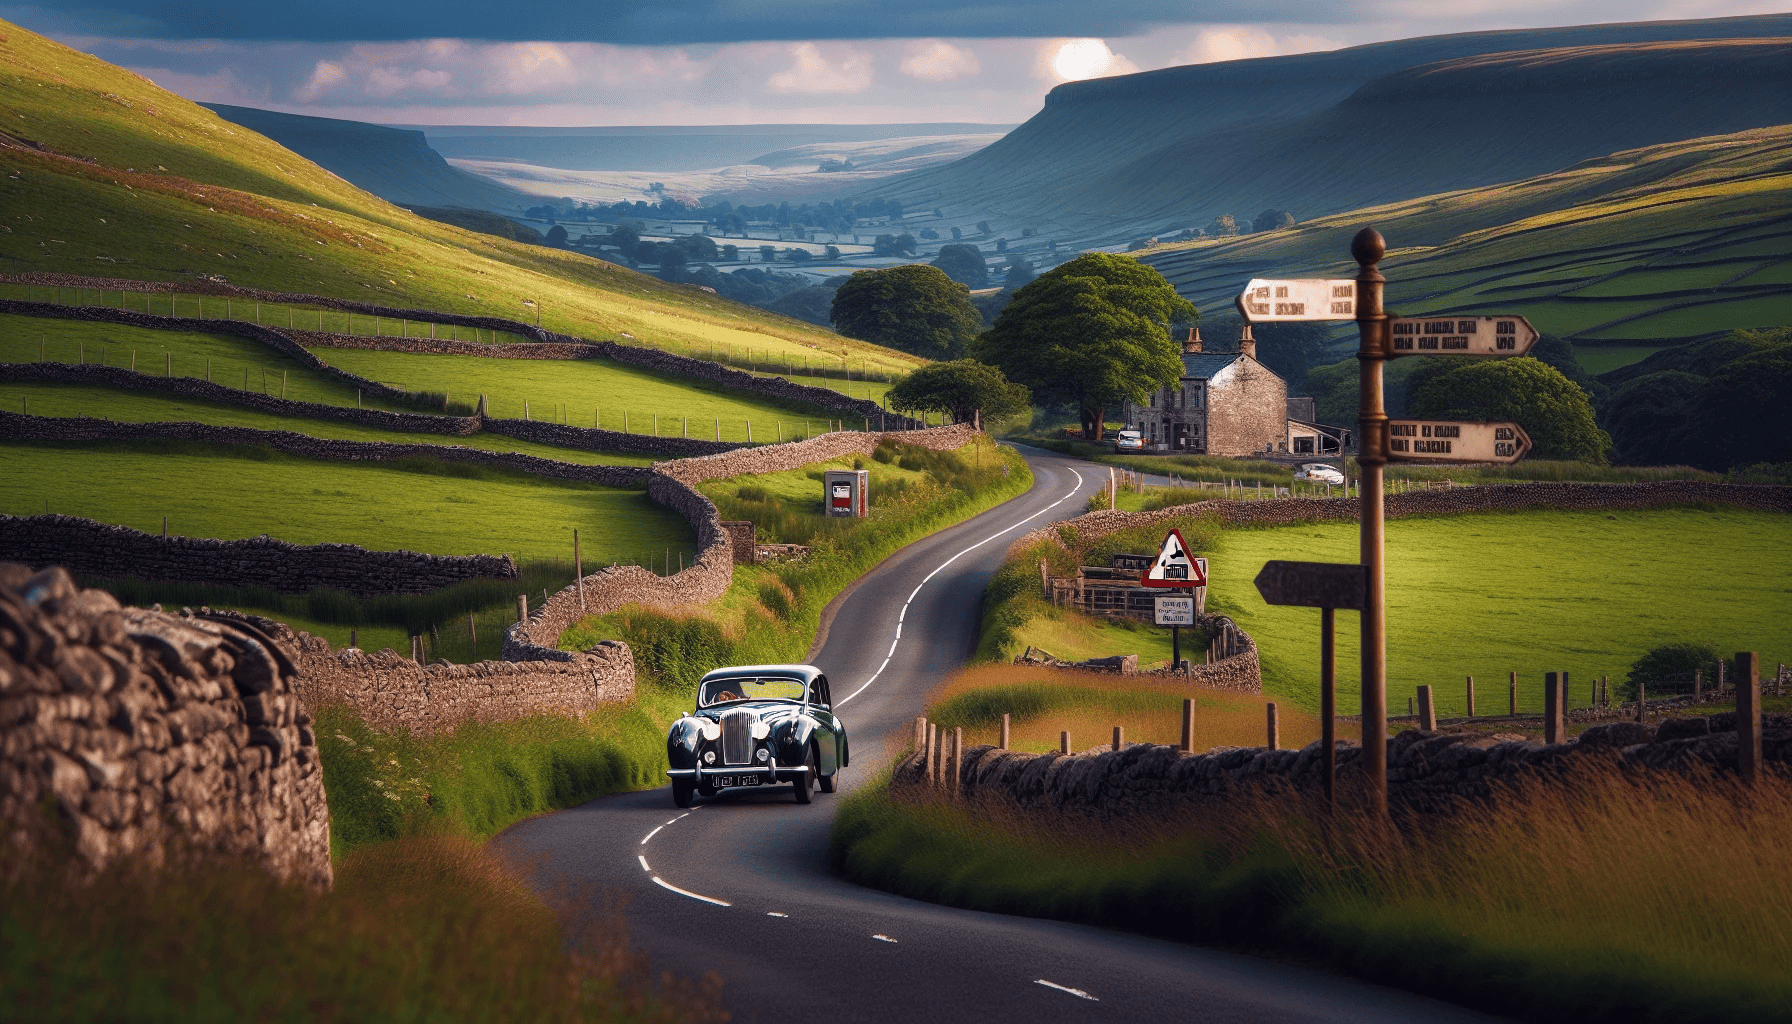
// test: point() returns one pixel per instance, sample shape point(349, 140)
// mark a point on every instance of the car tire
point(827, 781)
point(804, 783)
point(682, 791)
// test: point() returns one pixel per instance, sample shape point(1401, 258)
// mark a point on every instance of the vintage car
point(1319, 473)
point(1129, 441)
point(757, 725)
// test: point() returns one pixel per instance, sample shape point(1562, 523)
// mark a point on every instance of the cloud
point(325, 76)
point(811, 72)
point(1242, 42)
point(934, 60)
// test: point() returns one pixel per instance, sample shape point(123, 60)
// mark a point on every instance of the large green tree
point(963, 263)
point(1093, 332)
point(1552, 409)
point(915, 308)
point(961, 387)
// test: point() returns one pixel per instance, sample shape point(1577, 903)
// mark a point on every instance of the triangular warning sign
point(1174, 566)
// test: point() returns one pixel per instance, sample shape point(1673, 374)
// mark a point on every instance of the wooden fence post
point(1748, 715)
point(1427, 710)
point(1642, 701)
point(1512, 693)
point(1005, 722)
point(1274, 734)
point(1698, 686)
point(1064, 743)
point(578, 569)
point(933, 753)
point(1119, 737)
point(920, 740)
point(957, 774)
point(522, 608)
point(1471, 696)
point(1552, 707)
point(1188, 725)
point(354, 638)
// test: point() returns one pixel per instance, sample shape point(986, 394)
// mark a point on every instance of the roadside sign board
point(1462, 336)
point(1175, 611)
point(1314, 584)
point(1444, 441)
point(1313, 298)
point(1174, 567)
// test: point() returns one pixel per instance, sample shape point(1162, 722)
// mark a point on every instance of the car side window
point(819, 692)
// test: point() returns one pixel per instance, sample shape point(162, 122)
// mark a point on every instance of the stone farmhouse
point(1228, 403)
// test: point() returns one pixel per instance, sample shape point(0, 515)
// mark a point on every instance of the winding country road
point(739, 884)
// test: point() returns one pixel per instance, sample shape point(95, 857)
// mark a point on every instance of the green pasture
point(1533, 592)
point(46, 398)
point(1598, 359)
point(419, 505)
point(1771, 273)
point(1706, 317)
point(586, 393)
point(1649, 282)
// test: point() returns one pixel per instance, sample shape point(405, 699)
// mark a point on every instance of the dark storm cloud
point(638, 22)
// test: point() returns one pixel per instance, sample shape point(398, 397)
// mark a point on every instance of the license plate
point(737, 780)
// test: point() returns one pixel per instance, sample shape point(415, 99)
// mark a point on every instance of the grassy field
point(173, 190)
point(1531, 592)
point(420, 505)
point(585, 393)
point(42, 398)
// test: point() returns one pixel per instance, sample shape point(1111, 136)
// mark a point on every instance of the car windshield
point(722, 691)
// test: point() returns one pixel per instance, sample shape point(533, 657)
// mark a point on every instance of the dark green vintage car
point(757, 725)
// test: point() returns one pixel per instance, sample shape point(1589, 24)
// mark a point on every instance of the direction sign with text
point(1461, 336)
point(1174, 566)
point(1314, 584)
point(1301, 299)
point(1444, 441)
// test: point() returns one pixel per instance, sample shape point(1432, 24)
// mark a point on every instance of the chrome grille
point(737, 737)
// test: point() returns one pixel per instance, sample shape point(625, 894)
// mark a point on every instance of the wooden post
point(1471, 696)
point(957, 759)
point(718, 428)
point(1562, 696)
point(354, 638)
point(920, 739)
point(1275, 736)
point(164, 527)
point(473, 633)
point(1748, 715)
point(1512, 693)
point(522, 608)
point(1005, 723)
point(1552, 707)
point(933, 753)
point(578, 569)
point(1064, 743)
point(1187, 745)
point(1119, 737)
point(1605, 691)
point(1698, 686)
point(1427, 710)
point(1642, 701)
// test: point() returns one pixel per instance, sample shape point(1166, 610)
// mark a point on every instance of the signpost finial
point(1368, 247)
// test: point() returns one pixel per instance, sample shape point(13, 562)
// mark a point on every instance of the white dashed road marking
point(883, 938)
point(774, 913)
point(662, 883)
point(650, 835)
point(643, 861)
point(1077, 992)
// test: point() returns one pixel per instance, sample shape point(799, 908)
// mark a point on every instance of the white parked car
point(1318, 473)
point(1128, 441)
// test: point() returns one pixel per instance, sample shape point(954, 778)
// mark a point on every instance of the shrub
point(1653, 668)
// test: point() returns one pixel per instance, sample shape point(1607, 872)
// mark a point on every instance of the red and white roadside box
point(846, 492)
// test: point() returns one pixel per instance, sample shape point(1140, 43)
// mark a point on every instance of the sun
point(1082, 58)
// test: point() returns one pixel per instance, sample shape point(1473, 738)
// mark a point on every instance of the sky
point(694, 62)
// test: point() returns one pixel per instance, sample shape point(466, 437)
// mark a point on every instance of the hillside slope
point(102, 173)
point(1110, 159)
point(395, 164)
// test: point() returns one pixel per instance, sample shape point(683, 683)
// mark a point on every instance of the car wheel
point(682, 790)
point(802, 784)
point(827, 782)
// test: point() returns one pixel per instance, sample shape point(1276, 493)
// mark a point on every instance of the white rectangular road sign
point(1175, 611)
point(1443, 441)
point(1462, 336)
point(1304, 299)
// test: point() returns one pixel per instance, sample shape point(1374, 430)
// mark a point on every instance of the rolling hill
point(1317, 133)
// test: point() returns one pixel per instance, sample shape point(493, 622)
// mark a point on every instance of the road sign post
point(1175, 612)
point(1450, 441)
point(1327, 586)
point(1372, 418)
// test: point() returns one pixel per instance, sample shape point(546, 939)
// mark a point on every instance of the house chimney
point(1193, 344)
point(1247, 345)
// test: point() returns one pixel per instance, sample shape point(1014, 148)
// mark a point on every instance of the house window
point(1153, 399)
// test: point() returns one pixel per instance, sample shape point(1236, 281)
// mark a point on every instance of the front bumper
point(773, 773)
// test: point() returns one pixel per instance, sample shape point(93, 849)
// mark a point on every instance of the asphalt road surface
point(739, 884)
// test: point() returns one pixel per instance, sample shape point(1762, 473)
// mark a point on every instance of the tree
point(961, 387)
point(964, 264)
point(557, 237)
point(1092, 332)
point(883, 245)
point(1552, 409)
point(1020, 274)
point(731, 252)
point(625, 236)
point(796, 255)
point(1291, 349)
point(905, 245)
point(929, 235)
point(1223, 225)
point(1744, 412)
point(913, 307)
point(957, 234)
point(696, 248)
point(768, 253)
point(833, 252)
point(1270, 220)
point(983, 227)
point(1646, 417)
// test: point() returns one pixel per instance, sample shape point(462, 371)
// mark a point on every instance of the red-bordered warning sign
point(1174, 566)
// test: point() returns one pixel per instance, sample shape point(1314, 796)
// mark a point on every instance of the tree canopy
point(1093, 332)
point(1552, 409)
point(914, 307)
point(961, 387)
point(963, 263)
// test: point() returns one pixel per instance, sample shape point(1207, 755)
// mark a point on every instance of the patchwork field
point(1531, 592)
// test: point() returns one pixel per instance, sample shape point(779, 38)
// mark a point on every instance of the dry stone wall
point(138, 729)
point(1428, 772)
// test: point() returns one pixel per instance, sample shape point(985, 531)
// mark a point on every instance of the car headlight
point(761, 730)
point(712, 731)
point(764, 755)
point(709, 757)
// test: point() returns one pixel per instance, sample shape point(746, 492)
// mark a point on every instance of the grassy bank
point(1661, 899)
point(231, 492)
point(421, 929)
point(770, 613)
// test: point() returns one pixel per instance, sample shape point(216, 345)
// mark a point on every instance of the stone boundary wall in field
point(674, 484)
point(1428, 772)
point(1575, 497)
point(137, 729)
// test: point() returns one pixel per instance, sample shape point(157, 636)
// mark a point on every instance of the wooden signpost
point(1327, 586)
point(1382, 337)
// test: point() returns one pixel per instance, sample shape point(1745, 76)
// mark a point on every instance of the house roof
point(1204, 365)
